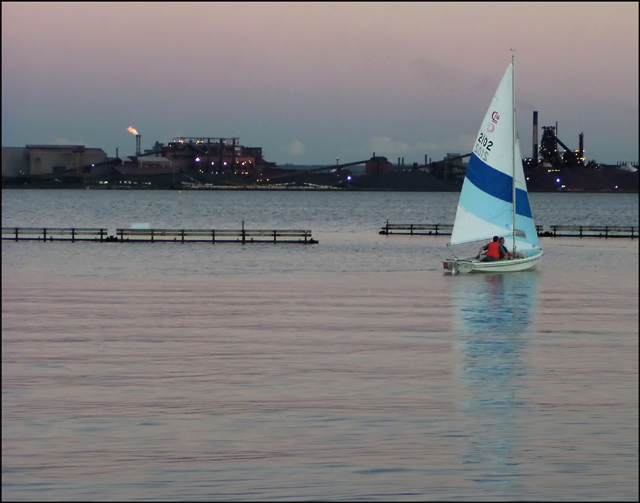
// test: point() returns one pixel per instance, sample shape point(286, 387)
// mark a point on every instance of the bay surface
point(354, 369)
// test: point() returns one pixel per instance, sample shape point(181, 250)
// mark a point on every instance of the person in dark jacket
point(504, 253)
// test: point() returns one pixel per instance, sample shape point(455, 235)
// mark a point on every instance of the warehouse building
point(43, 160)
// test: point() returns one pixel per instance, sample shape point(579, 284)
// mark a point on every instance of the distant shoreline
point(277, 189)
point(566, 180)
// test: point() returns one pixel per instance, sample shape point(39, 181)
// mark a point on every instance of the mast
point(513, 150)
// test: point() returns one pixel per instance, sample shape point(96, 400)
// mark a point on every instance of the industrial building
point(43, 160)
point(195, 160)
point(216, 155)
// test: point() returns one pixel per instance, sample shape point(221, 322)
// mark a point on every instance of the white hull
point(528, 263)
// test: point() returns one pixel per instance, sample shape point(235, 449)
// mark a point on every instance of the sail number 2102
point(483, 147)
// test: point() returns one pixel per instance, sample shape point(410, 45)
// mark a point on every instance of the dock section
point(242, 236)
point(54, 234)
point(592, 231)
point(555, 231)
point(417, 229)
point(213, 236)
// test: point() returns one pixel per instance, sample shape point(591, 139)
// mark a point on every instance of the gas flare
point(132, 130)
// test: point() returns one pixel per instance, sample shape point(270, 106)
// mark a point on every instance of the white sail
point(485, 207)
point(494, 199)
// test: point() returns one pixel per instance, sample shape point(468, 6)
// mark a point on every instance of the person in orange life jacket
point(494, 250)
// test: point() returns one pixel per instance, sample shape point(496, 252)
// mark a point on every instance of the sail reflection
point(493, 316)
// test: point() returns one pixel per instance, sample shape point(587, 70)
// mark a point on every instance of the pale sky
point(312, 82)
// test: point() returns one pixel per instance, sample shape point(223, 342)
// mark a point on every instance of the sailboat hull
point(469, 265)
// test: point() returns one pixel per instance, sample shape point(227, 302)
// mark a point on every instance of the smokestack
point(534, 153)
point(135, 132)
point(581, 147)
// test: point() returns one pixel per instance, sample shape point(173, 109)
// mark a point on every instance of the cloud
point(462, 144)
point(65, 141)
point(388, 147)
point(296, 148)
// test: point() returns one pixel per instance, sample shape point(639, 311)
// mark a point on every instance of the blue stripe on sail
point(497, 184)
point(522, 203)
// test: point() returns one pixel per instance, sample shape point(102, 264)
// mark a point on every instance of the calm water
point(354, 369)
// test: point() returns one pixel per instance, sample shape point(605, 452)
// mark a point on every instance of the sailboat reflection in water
point(493, 318)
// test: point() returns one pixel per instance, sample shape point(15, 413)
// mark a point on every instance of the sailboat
point(494, 180)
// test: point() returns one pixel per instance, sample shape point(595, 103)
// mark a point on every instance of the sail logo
point(495, 117)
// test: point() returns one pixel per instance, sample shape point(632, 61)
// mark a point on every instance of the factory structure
point(198, 159)
point(46, 161)
point(218, 162)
